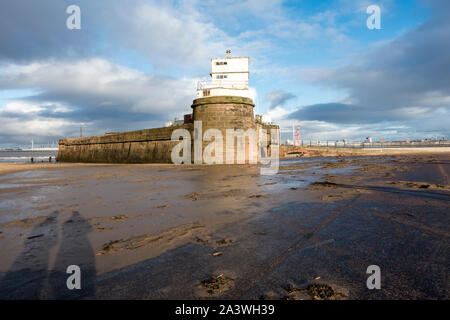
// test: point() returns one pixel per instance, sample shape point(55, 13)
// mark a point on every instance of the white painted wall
point(227, 79)
point(234, 64)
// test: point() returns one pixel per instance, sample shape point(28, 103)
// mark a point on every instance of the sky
point(134, 64)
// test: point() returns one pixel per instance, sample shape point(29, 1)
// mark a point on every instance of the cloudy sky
point(134, 64)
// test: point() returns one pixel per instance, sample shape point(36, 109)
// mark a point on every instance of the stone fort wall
point(226, 112)
point(155, 145)
point(142, 146)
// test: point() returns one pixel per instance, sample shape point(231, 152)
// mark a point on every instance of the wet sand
point(190, 232)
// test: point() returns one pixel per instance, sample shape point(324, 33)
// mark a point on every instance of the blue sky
point(134, 64)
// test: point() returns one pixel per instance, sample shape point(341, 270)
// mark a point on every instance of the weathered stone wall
point(269, 138)
point(142, 146)
point(155, 145)
point(226, 112)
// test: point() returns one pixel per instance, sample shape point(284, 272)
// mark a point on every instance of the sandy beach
point(190, 232)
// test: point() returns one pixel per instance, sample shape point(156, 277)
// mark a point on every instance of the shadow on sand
point(32, 277)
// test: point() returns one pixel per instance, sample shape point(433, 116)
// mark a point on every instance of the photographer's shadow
point(31, 276)
point(75, 249)
point(27, 276)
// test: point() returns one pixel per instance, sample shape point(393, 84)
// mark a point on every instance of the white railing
point(227, 84)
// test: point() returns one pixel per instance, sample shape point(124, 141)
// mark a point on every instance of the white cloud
point(21, 107)
point(36, 127)
point(171, 36)
point(100, 95)
point(20, 121)
point(101, 84)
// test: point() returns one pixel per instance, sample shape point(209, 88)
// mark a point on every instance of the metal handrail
point(222, 84)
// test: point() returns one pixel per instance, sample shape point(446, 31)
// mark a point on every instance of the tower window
point(221, 63)
point(221, 76)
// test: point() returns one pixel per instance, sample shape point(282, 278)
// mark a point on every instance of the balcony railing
point(227, 84)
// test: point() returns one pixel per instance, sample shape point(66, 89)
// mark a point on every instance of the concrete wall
point(142, 146)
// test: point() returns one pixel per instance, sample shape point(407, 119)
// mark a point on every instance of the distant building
point(179, 122)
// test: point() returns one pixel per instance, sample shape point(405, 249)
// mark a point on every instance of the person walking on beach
point(50, 159)
point(32, 159)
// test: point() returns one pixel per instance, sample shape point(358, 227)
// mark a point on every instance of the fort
point(222, 105)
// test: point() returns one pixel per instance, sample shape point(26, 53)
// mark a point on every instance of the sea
point(25, 156)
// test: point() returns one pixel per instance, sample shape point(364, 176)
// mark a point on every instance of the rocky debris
point(217, 284)
point(290, 288)
point(193, 196)
point(320, 291)
point(420, 185)
point(312, 291)
point(324, 184)
point(107, 247)
point(201, 241)
point(331, 197)
point(122, 217)
point(224, 242)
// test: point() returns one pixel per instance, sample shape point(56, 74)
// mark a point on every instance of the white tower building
point(229, 77)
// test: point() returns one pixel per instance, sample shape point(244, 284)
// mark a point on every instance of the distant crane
point(296, 134)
